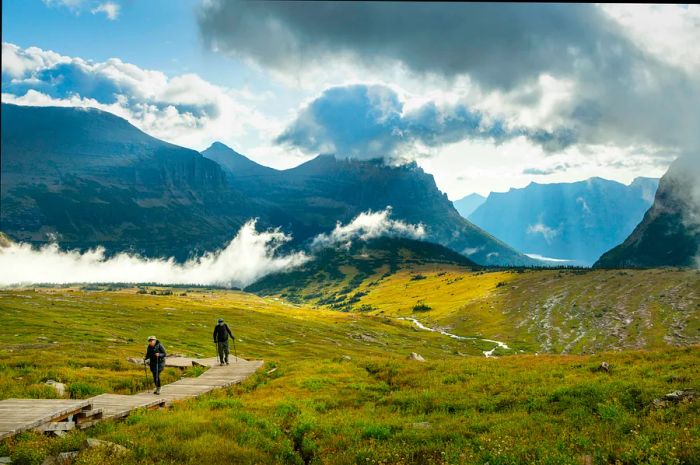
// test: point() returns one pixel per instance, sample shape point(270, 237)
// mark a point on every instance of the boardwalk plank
point(18, 415)
point(119, 405)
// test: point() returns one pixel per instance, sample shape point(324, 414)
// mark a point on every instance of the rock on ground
point(421, 425)
point(61, 459)
point(92, 443)
point(60, 388)
point(416, 357)
point(676, 397)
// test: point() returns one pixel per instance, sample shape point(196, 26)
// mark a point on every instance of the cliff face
point(669, 234)
point(87, 178)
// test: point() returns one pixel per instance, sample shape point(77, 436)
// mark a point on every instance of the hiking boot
point(157, 391)
point(226, 363)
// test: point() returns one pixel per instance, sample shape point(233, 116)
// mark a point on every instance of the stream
point(487, 353)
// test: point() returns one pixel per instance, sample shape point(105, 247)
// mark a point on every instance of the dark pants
point(156, 374)
point(222, 349)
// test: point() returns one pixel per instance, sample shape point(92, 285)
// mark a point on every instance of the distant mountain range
point(669, 234)
point(576, 221)
point(86, 177)
point(466, 205)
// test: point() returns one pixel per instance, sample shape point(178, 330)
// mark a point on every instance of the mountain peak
point(216, 145)
point(466, 205)
point(234, 162)
point(319, 162)
point(223, 148)
point(644, 180)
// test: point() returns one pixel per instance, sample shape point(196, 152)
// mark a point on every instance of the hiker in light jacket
point(155, 354)
point(221, 334)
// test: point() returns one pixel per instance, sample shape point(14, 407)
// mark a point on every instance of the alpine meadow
point(320, 232)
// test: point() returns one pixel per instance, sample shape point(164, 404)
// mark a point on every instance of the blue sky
point(139, 34)
point(485, 97)
point(154, 34)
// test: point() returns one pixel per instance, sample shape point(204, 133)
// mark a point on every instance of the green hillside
point(334, 274)
point(337, 387)
point(558, 311)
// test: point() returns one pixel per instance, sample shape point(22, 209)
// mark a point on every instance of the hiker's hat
point(152, 338)
point(221, 320)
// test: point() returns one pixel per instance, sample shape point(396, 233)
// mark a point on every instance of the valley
point(566, 310)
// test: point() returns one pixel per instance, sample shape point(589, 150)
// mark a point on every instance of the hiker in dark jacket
point(155, 354)
point(221, 334)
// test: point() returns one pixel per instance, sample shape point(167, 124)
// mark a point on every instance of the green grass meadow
point(337, 388)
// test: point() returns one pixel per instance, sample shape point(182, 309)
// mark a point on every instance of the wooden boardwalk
point(214, 378)
point(18, 415)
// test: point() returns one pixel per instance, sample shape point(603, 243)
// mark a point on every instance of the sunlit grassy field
point(342, 390)
point(559, 311)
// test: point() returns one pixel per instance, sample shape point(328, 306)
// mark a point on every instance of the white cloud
point(184, 109)
point(248, 257)
point(17, 62)
point(533, 105)
point(110, 9)
point(471, 251)
point(482, 166)
point(361, 121)
point(584, 205)
point(366, 226)
point(541, 228)
point(73, 5)
point(547, 259)
point(676, 31)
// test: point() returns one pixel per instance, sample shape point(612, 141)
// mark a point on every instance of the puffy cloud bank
point(445, 39)
point(370, 121)
point(183, 109)
point(615, 83)
point(366, 226)
point(248, 257)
